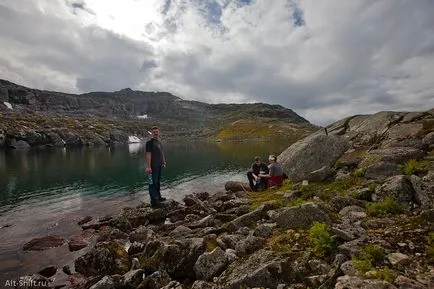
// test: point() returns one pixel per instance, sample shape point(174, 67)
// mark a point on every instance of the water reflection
point(134, 148)
point(36, 174)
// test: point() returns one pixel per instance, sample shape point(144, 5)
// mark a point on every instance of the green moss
point(388, 206)
point(152, 262)
point(210, 244)
point(321, 238)
point(362, 266)
point(372, 187)
point(118, 252)
point(369, 256)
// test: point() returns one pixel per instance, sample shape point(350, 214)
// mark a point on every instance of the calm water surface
point(45, 192)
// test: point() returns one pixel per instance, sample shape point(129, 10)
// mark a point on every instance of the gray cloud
point(90, 57)
point(326, 61)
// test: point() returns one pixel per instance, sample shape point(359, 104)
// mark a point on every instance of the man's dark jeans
point(258, 187)
point(154, 187)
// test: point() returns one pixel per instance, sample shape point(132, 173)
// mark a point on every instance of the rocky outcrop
point(312, 157)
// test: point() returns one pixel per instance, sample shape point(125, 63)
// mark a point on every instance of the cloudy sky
point(324, 59)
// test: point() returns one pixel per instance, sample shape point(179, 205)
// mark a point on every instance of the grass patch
point(281, 241)
point(285, 240)
point(388, 206)
point(383, 274)
point(430, 248)
point(370, 160)
point(259, 198)
point(415, 167)
point(328, 190)
point(359, 172)
point(321, 238)
point(270, 195)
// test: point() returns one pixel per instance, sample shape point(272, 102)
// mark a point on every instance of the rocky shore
point(358, 213)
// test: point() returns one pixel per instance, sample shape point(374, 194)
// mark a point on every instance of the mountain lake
point(46, 192)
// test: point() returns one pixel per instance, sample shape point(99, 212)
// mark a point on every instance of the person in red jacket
point(275, 175)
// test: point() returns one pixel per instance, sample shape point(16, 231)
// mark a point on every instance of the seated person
point(275, 176)
point(258, 167)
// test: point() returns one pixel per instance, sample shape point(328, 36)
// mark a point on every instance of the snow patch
point(145, 116)
point(133, 139)
point(8, 105)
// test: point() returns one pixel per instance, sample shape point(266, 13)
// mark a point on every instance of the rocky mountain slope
point(30, 117)
point(357, 213)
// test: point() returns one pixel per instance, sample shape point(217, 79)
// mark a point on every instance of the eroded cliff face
point(31, 117)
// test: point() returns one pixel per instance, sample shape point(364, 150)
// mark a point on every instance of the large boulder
point(300, 217)
point(106, 258)
point(382, 170)
point(424, 192)
point(250, 218)
point(397, 187)
point(311, 154)
point(262, 269)
point(211, 264)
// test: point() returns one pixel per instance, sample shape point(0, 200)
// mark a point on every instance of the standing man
point(155, 161)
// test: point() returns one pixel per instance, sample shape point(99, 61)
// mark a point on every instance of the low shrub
point(321, 238)
point(388, 206)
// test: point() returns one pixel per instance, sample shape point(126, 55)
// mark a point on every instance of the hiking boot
point(156, 205)
point(162, 199)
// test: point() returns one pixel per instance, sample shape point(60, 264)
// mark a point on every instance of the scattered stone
point(237, 186)
point(353, 282)
point(85, 220)
point(48, 271)
point(67, 270)
point(210, 264)
point(40, 244)
point(337, 203)
point(348, 269)
point(398, 260)
point(300, 217)
point(105, 283)
point(406, 283)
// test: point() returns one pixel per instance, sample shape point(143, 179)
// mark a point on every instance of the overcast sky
point(324, 59)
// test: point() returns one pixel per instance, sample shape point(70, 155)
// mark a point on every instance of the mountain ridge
point(98, 118)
